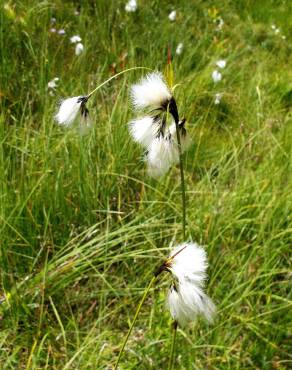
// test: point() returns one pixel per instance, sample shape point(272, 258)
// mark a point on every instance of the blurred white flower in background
point(221, 63)
point(186, 298)
point(172, 16)
point(179, 48)
point(216, 76)
point(79, 48)
point(61, 32)
point(131, 6)
point(53, 20)
point(53, 30)
point(74, 39)
point(220, 24)
point(218, 98)
point(53, 83)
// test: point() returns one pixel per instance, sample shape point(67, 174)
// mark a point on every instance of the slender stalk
point(182, 177)
point(111, 78)
point(171, 359)
point(134, 320)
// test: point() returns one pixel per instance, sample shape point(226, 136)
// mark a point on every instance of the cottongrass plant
point(187, 262)
point(75, 108)
point(186, 300)
point(163, 144)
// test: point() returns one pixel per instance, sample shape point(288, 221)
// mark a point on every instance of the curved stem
point(134, 320)
point(171, 358)
point(183, 187)
point(111, 78)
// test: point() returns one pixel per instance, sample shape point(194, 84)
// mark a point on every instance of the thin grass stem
point(134, 320)
point(172, 350)
point(111, 78)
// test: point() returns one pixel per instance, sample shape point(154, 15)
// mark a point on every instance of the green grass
point(83, 227)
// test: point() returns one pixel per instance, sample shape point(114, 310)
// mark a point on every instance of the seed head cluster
point(151, 130)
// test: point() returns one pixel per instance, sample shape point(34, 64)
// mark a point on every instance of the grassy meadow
point(83, 226)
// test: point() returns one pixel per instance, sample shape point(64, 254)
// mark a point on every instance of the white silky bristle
point(143, 130)
point(163, 152)
point(187, 300)
point(79, 48)
point(131, 6)
point(68, 111)
point(151, 91)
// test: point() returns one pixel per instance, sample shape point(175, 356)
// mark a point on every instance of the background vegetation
point(83, 227)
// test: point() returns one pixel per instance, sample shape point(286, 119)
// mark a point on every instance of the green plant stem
point(183, 187)
point(111, 78)
point(134, 320)
point(171, 358)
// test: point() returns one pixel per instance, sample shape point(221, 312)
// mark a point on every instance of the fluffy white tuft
point(189, 262)
point(150, 91)
point(131, 6)
point(79, 48)
point(217, 76)
point(218, 98)
point(172, 16)
point(163, 152)
point(53, 83)
point(187, 300)
point(68, 111)
point(143, 130)
point(221, 63)
point(75, 39)
point(179, 48)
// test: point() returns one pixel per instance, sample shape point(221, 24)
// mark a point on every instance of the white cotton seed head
point(151, 91)
point(186, 300)
point(216, 76)
point(220, 23)
point(172, 16)
point(218, 98)
point(75, 39)
point(131, 6)
point(53, 83)
point(189, 262)
point(179, 311)
point(144, 130)
point(162, 153)
point(179, 48)
point(68, 111)
point(221, 63)
point(79, 48)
